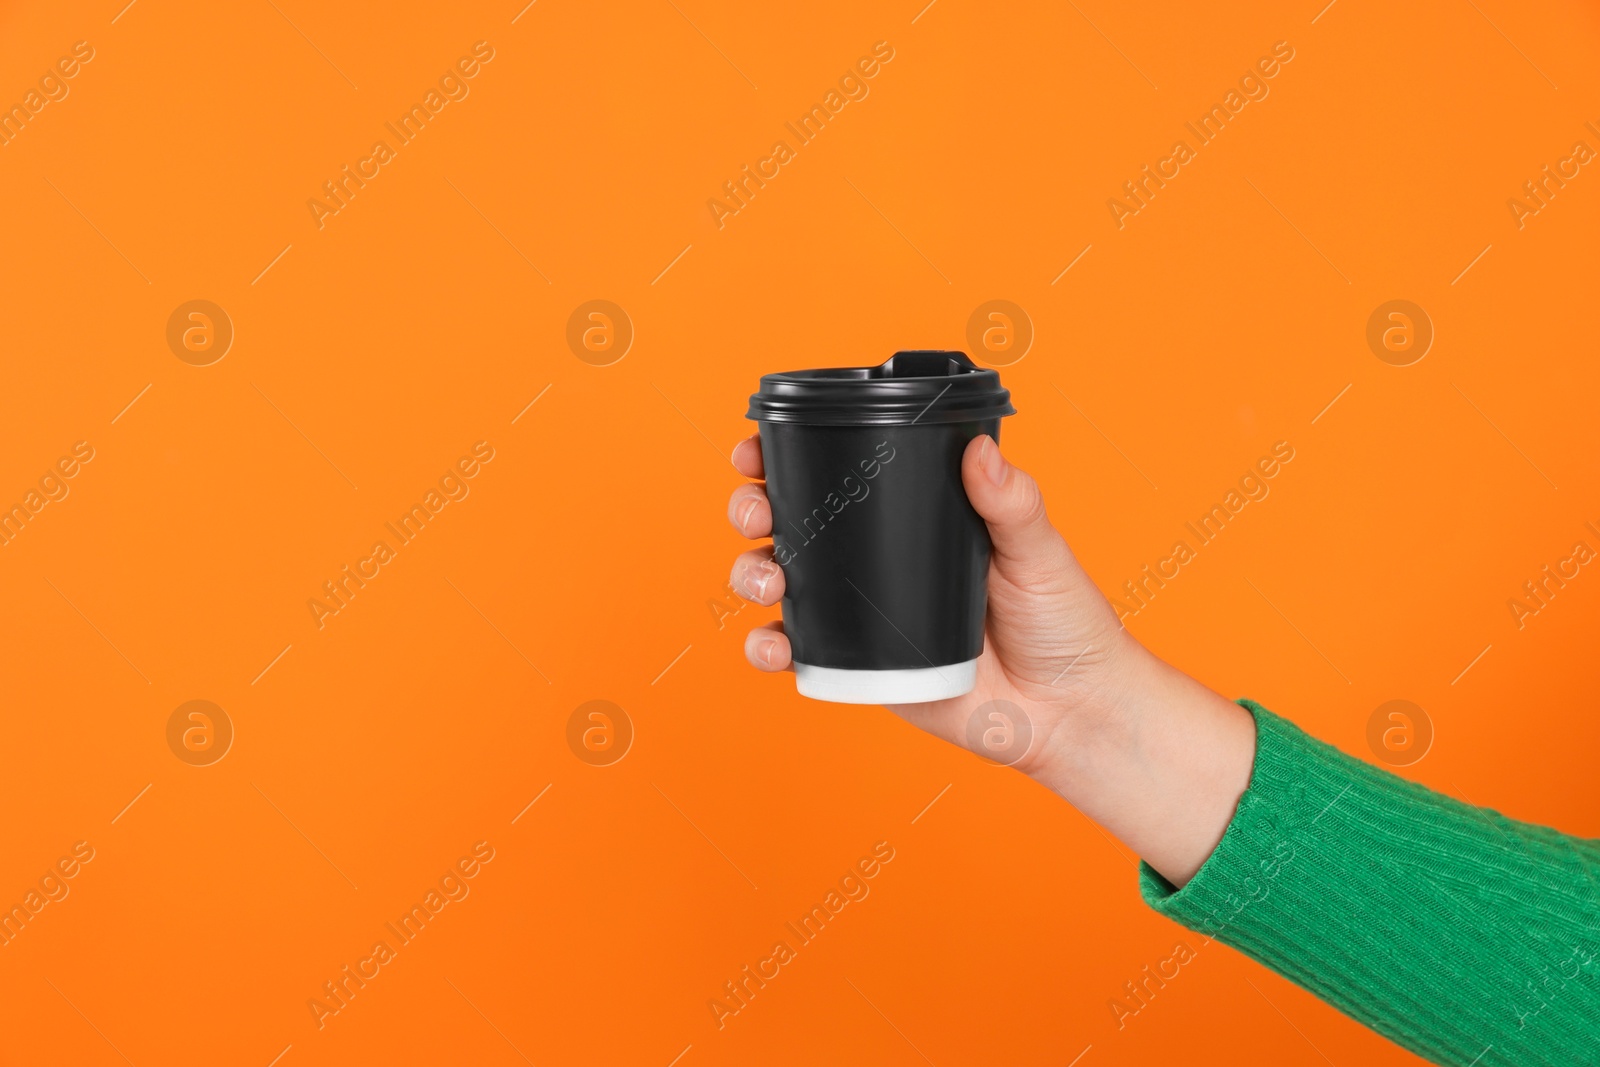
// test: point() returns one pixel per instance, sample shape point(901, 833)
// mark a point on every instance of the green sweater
point(1465, 936)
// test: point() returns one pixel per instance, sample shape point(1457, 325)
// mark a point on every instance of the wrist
point(1098, 718)
point(1155, 757)
point(1093, 714)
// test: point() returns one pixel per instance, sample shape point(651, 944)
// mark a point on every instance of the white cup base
point(915, 685)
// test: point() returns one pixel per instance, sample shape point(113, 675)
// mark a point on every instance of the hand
point(1142, 748)
point(1053, 643)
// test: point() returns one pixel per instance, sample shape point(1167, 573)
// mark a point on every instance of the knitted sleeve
point(1465, 936)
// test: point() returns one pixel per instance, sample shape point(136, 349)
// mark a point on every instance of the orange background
point(377, 349)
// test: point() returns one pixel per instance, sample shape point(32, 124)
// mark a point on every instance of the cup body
point(885, 561)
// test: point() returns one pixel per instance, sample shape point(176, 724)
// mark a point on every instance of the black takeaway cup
point(885, 562)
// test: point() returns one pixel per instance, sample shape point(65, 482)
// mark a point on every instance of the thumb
point(1010, 503)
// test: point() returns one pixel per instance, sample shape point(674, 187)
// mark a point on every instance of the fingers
point(767, 648)
point(1010, 502)
point(757, 578)
point(749, 510)
point(747, 457)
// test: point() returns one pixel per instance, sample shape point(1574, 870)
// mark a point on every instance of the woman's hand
point(1145, 750)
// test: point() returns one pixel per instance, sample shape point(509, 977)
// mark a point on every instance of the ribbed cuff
point(1442, 926)
point(1255, 844)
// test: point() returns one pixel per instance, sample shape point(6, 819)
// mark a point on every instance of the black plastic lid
point(908, 388)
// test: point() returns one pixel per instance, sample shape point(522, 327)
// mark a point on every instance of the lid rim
point(853, 396)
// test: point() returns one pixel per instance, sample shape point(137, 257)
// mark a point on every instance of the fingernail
point(765, 651)
point(745, 512)
point(992, 462)
point(756, 579)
